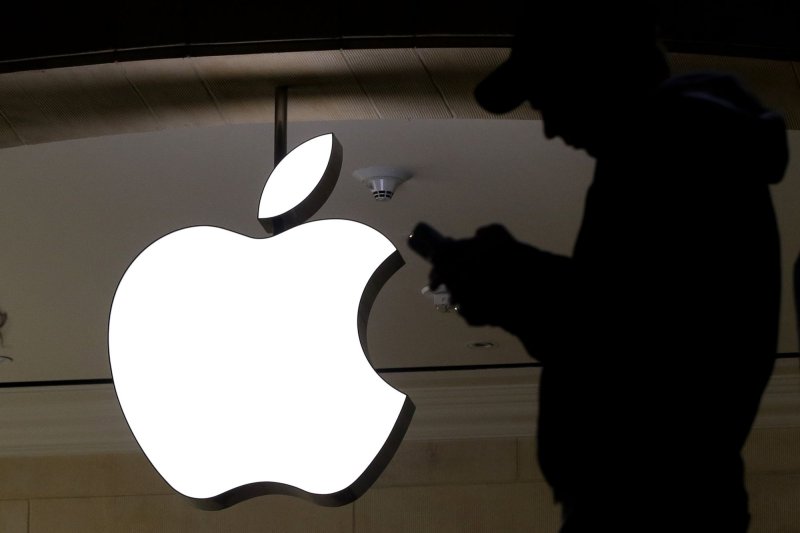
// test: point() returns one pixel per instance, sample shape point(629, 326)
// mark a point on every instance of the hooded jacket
point(659, 340)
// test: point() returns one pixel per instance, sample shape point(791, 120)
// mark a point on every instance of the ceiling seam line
point(139, 95)
point(385, 370)
point(208, 90)
point(360, 85)
point(433, 82)
point(11, 127)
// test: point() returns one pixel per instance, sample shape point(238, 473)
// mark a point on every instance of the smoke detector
point(382, 180)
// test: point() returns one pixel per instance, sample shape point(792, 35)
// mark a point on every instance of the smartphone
point(425, 240)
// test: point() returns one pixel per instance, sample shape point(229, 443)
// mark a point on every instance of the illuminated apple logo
point(240, 363)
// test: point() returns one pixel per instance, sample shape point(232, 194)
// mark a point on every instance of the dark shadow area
point(658, 335)
point(49, 34)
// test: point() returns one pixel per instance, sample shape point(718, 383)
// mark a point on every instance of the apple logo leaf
point(300, 183)
point(241, 364)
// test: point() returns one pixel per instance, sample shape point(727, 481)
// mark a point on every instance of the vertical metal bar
point(281, 105)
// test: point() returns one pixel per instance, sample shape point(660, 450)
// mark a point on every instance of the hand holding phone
point(426, 241)
point(469, 271)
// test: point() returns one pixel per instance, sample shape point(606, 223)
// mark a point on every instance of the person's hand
point(481, 274)
point(496, 280)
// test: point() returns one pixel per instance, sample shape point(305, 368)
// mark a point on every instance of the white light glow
point(295, 176)
point(237, 360)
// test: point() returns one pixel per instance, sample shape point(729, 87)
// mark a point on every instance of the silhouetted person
point(657, 336)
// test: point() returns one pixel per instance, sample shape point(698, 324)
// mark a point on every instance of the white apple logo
point(240, 363)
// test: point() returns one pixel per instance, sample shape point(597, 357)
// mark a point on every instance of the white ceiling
point(74, 214)
point(85, 185)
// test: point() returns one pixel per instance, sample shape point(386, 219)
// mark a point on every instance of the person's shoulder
point(707, 92)
point(714, 114)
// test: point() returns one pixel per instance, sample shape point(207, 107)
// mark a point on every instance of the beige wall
point(464, 486)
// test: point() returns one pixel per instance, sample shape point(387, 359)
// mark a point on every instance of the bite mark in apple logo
point(240, 364)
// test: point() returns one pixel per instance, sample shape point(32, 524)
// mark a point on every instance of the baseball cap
point(533, 51)
point(553, 36)
point(503, 90)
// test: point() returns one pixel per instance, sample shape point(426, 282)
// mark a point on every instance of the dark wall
point(48, 33)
